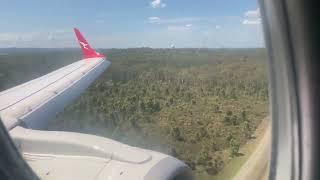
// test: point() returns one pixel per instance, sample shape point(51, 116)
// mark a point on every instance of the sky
point(131, 23)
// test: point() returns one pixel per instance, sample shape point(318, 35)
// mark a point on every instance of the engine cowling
point(59, 155)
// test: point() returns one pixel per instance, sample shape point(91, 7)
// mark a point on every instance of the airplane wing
point(34, 102)
point(29, 107)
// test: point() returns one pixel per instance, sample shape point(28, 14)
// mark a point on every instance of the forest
point(199, 105)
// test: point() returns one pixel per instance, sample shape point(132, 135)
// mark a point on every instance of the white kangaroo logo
point(84, 45)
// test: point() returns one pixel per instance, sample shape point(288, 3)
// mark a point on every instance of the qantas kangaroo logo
point(84, 45)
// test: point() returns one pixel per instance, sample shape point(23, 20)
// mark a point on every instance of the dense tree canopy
point(199, 105)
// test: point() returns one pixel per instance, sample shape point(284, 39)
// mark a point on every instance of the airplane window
point(188, 80)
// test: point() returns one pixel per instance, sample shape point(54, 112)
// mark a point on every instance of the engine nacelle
point(66, 155)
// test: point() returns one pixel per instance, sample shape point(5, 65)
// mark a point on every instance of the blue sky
point(131, 23)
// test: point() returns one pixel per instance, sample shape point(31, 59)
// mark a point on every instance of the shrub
point(234, 147)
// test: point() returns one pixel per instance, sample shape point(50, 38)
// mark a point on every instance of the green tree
point(234, 147)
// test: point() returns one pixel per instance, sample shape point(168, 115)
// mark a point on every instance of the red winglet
point(87, 51)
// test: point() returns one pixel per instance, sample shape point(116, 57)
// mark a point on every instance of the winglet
point(87, 51)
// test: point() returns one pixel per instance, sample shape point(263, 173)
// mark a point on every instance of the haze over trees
point(199, 105)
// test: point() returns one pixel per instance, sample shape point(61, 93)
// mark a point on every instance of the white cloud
point(180, 28)
point(157, 4)
point(251, 22)
point(55, 38)
point(172, 21)
point(18, 37)
point(252, 13)
point(59, 34)
point(8, 37)
point(154, 19)
point(252, 17)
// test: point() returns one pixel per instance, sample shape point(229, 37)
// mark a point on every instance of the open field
point(199, 105)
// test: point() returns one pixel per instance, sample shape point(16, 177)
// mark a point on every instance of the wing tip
point(87, 51)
